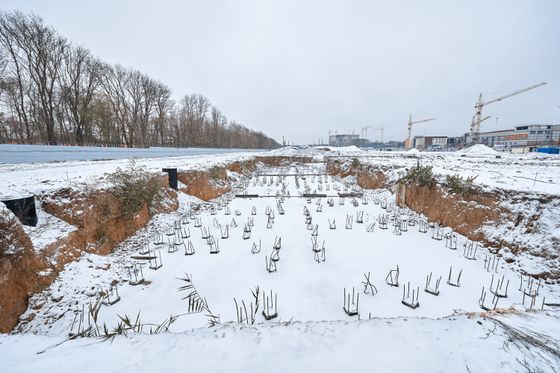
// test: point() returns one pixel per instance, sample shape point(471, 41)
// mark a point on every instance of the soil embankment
point(367, 177)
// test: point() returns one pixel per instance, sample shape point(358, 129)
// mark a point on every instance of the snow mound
point(349, 149)
point(413, 151)
point(479, 149)
point(289, 151)
point(313, 150)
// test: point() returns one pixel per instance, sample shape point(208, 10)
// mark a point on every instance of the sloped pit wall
point(466, 216)
point(367, 176)
point(100, 221)
point(19, 268)
point(518, 221)
point(100, 224)
point(205, 185)
point(245, 168)
point(530, 224)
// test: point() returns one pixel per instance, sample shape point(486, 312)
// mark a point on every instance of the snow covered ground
point(453, 344)
point(312, 331)
point(531, 173)
point(307, 290)
point(528, 173)
point(49, 228)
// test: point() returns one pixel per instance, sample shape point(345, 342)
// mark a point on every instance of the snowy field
point(226, 248)
point(13, 154)
point(528, 173)
point(453, 344)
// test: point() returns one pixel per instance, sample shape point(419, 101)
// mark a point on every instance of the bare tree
point(149, 93)
point(17, 81)
point(51, 91)
point(79, 81)
point(44, 51)
point(114, 85)
point(163, 104)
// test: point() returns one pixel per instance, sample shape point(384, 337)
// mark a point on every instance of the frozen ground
point(508, 343)
point(311, 331)
point(51, 153)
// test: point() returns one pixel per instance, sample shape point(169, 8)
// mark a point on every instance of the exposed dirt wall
point(100, 222)
point(242, 167)
point(367, 177)
point(19, 268)
point(205, 185)
point(466, 216)
point(100, 225)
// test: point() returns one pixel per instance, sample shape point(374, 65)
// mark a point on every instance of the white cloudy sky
point(302, 68)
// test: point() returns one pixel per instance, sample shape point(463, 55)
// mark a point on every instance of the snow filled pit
point(308, 281)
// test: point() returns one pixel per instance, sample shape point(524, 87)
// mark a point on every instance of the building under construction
point(431, 143)
point(522, 138)
point(345, 140)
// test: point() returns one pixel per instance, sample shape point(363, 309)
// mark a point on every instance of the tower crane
point(473, 123)
point(408, 144)
point(475, 126)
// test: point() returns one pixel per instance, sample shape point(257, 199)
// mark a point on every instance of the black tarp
point(24, 209)
point(172, 176)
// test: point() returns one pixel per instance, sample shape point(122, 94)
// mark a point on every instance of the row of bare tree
point(54, 92)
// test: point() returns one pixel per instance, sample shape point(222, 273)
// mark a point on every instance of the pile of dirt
point(242, 167)
point(478, 149)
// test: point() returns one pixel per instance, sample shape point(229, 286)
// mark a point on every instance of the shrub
point(420, 175)
point(135, 187)
point(355, 162)
point(457, 185)
point(214, 173)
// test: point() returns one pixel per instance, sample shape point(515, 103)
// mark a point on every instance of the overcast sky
point(301, 68)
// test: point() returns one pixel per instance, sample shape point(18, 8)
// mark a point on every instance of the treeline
point(53, 92)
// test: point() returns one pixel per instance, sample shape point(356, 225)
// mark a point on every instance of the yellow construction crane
point(408, 142)
point(475, 125)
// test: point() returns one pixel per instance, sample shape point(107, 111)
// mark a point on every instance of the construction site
point(534, 137)
point(170, 201)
